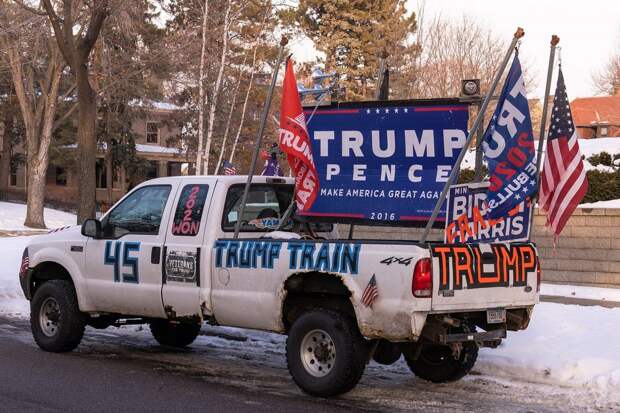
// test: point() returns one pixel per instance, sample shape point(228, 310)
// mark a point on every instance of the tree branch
point(99, 14)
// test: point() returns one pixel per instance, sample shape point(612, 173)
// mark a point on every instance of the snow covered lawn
point(564, 345)
point(12, 216)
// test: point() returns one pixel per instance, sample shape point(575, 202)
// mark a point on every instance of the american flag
point(229, 168)
point(371, 292)
point(563, 179)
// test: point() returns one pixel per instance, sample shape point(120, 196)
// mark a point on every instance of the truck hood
point(59, 234)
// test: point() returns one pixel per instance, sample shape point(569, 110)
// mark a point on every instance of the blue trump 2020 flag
point(509, 148)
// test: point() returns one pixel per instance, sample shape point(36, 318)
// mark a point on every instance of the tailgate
point(483, 276)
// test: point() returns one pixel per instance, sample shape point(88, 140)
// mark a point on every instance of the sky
point(589, 33)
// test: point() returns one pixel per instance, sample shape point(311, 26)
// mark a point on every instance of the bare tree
point(76, 25)
point(452, 50)
point(201, 90)
point(607, 80)
point(217, 87)
point(242, 67)
point(36, 68)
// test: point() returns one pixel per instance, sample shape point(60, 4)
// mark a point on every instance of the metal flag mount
point(259, 136)
point(477, 124)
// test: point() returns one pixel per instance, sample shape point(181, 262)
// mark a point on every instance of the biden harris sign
point(384, 161)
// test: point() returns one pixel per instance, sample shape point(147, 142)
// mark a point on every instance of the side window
point(263, 210)
point(189, 210)
point(141, 212)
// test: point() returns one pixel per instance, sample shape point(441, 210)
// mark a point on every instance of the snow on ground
point(565, 345)
point(579, 291)
point(12, 216)
point(613, 203)
point(588, 147)
point(12, 299)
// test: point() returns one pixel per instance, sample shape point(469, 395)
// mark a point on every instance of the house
point(154, 130)
point(597, 117)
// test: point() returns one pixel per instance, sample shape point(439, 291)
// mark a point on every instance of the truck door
point(123, 268)
point(186, 263)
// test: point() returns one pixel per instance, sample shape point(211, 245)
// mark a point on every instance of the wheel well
point(312, 290)
point(46, 271)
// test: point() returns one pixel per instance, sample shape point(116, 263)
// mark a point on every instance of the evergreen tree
point(354, 34)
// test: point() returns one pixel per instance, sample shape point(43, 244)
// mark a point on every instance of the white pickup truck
point(165, 255)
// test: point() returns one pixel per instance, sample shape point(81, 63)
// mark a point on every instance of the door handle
point(155, 255)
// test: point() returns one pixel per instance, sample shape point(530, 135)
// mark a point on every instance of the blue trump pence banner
point(385, 163)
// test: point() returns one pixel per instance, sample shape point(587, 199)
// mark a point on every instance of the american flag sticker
point(371, 292)
point(25, 263)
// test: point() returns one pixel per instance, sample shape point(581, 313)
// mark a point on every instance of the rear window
point(265, 206)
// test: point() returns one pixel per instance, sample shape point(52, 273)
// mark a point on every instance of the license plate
point(496, 315)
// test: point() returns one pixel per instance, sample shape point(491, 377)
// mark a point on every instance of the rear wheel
point(325, 353)
point(55, 318)
point(174, 334)
point(436, 363)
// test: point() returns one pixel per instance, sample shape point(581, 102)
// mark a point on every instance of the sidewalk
point(580, 295)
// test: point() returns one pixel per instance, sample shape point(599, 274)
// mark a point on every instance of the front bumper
point(25, 282)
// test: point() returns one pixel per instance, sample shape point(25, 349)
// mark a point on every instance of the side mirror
point(91, 228)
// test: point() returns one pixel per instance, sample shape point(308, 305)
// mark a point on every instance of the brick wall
point(587, 252)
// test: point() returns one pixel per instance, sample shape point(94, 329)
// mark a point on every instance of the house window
point(603, 131)
point(61, 176)
point(101, 174)
point(13, 176)
point(175, 169)
point(152, 132)
point(152, 171)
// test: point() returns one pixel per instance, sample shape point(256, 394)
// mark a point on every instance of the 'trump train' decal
point(330, 257)
point(479, 266)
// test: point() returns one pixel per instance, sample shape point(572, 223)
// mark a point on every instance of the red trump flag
point(295, 142)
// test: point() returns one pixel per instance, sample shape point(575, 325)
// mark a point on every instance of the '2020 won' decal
point(121, 260)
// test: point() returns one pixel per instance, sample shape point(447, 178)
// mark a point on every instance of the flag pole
point(477, 124)
point(542, 134)
point(543, 122)
point(259, 136)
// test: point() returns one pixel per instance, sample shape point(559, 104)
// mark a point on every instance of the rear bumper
point(464, 337)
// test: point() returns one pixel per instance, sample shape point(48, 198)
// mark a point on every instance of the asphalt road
point(231, 370)
point(34, 381)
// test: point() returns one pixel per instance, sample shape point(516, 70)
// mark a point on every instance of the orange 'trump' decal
point(486, 265)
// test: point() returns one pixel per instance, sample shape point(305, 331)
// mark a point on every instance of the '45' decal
point(114, 257)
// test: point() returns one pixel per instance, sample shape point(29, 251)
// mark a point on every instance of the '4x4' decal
point(115, 259)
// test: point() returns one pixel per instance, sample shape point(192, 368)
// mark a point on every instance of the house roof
point(596, 110)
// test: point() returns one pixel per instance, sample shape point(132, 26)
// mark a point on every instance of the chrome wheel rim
point(49, 315)
point(318, 353)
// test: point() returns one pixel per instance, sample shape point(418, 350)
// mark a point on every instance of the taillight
point(422, 283)
point(538, 276)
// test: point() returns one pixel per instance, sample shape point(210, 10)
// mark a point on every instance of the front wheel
point(436, 363)
point(174, 334)
point(325, 353)
point(55, 318)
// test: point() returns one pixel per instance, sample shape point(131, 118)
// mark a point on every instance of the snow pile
point(12, 217)
point(564, 344)
point(613, 203)
point(578, 291)
point(588, 147)
point(12, 299)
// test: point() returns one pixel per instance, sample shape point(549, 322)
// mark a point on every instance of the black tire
point(348, 352)
point(55, 319)
point(436, 363)
point(174, 334)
